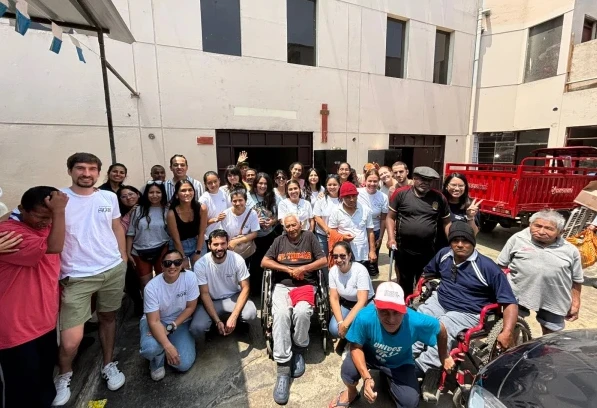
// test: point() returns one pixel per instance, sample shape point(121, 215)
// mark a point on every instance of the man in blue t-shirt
point(381, 337)
point(469, 282)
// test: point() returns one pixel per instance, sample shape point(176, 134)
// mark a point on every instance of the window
point(543, 50)
point(589, 30)
point(509, 147)
point(441, 59)
point(300, 16)
point(220, 23)
point(395, 48)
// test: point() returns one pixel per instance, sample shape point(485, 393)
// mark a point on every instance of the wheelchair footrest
point(430, 386)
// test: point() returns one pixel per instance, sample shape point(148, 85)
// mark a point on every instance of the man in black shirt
point(415, 212)
point(294, 259)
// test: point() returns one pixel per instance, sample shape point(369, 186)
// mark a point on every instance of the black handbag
point(151, 254)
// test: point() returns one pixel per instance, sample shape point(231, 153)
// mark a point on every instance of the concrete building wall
point(53, 105)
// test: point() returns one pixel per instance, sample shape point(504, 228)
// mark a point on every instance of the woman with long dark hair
point(240, 222)
point(265, 205)
point(313, 187)
point(115, 177)
point(214, 201)
point(232, 176)
point(147, 237)
point(462, 207)
point(185, 224)
point(323, 209)
point(280, 178)
point(346, 173)
point(296, 170)
point(295, 204)
point(128, 198)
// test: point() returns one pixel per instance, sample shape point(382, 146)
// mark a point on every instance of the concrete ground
point(236, 372)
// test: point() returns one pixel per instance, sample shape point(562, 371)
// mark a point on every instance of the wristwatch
point(171, 327)
point(198, 252)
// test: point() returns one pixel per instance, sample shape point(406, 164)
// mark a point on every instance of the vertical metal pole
point(100, 40)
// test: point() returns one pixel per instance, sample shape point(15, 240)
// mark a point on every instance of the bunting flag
point(79, 49)
point(3, 7)
point(57, 39)
point(23, 20)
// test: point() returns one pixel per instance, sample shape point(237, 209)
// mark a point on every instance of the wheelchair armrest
point(417, 292)
point(482, 318)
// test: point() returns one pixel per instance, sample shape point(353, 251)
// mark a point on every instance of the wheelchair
point(475, 347)
point(322, 310)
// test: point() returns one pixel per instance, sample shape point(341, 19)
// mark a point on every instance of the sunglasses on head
point(341, 256)
point(166, 263)
point(150, 182)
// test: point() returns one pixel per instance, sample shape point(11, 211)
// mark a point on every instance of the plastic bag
point(585, 241)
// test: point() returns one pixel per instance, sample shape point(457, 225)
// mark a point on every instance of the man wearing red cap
point(381, 337)
point(355, 223)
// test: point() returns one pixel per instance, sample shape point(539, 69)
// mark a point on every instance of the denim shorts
point(546, 319)
point(189, 246)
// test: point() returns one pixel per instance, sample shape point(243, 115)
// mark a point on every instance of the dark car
point(558, 370)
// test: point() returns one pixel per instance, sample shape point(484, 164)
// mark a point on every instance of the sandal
point(336, 403)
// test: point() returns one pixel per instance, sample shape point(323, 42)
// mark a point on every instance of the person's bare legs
point(107, 334)
point(70, 339)
point(545, 330)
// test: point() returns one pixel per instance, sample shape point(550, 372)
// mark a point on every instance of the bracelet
point(368, 378)
point(340, 322)
point(470, 219)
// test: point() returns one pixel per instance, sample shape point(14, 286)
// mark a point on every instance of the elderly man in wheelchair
point(469, 282)
point(294, 259)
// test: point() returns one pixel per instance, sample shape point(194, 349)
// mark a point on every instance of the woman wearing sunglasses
point(350, 290)
point(280, 178)
point(147, 236)
point(170, 300)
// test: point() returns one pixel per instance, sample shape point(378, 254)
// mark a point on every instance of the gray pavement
point(236, 372)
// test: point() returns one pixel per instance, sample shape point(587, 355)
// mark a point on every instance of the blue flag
point(79, 49)
point(56, 39)
point(3, 7)
point(23, 20)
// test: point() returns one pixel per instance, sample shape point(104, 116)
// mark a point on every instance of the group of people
point(190, 257)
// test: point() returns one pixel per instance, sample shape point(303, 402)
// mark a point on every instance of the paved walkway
point(236, 372)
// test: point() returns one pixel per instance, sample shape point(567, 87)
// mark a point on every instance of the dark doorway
point(267, 151)
point(420, 150)
point(327, 161)
point(391, 156)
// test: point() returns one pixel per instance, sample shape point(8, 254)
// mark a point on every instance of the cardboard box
point(588, 196)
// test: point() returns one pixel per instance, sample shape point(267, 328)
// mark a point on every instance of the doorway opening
point(268, 159)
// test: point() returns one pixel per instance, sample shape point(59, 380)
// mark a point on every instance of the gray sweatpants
point(286, 318)
point(454, 323)
point(201, 322)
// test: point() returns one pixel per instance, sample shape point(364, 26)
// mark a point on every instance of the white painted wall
point(505, 102)
point(52, 105)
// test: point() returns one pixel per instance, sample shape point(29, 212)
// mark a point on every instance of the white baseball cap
point(389, 295)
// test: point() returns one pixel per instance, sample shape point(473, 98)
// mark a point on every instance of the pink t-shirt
point(28, 287)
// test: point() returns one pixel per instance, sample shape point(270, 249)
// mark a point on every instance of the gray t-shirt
point(150, 233)
point(542, 277)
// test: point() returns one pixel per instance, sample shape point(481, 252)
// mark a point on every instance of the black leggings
point(27, 372)
point(410, 267)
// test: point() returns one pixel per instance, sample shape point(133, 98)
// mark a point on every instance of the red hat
point(348, 189)
point(389, 295)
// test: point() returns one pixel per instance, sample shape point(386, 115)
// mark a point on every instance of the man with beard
point(400, 173)
point(93, 261)
point(224, 289)
point(415, 212)
point(294, 259)
point(179, 168)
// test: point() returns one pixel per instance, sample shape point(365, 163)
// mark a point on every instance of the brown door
point(267, 151)
point(421, 150)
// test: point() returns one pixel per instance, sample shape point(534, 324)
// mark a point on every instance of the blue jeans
point(334, 323)
point(323, 241)
point(189, 246)
point(181, 339)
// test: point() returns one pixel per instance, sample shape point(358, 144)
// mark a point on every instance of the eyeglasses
point(456, 186)
point(150, 182)
point(166, 263)
point(280, 178)
point(341, 256)
point(454, 272)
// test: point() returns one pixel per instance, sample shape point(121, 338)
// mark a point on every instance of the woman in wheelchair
point(350, 290)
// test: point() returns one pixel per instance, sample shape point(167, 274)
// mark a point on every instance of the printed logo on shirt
point(295, 256)
point(383, 352)
point(104, 209)
point(435, 205)
point(182, 294)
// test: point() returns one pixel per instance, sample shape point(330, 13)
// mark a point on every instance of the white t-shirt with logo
point(303, 209)
point(90, 246)
point(377, 203)
point(232, 223)
point(349, 283)
point(323, 208)
point(357, 225)
point(216, 204)
point(170, 299)
point(223, 280)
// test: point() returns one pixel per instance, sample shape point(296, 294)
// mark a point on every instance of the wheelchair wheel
point(266, 304)
point(522, 334)
point(323, 311)
point(460, 397)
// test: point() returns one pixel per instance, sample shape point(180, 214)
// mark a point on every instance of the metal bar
point(66, 24)
point(581, 80)
point(117, 75)
point(100, 39)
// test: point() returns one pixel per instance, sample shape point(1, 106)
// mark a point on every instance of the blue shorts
point(189, 246)
point(546, 319)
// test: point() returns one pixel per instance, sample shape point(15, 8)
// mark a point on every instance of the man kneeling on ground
point(224, 288)
point(469, 282)
point(381, 337)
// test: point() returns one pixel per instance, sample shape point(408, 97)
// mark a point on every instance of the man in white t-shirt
point(93, 261)
point(224, 288)
point(179, 168)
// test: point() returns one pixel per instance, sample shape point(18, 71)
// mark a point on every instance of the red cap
point(348, 189)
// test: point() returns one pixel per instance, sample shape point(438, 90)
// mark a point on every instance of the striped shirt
point(170, 184)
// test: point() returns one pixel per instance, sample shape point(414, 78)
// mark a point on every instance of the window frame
point(238, 51)
point(402, 57)
point(527, 58)
point(291, 47)
point(437, 77)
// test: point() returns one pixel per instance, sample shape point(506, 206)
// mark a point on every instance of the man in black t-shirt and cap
point(415, 212)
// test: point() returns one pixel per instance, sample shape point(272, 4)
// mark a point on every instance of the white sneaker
point(62, 384)
point(158, 374)
point(113, 376)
